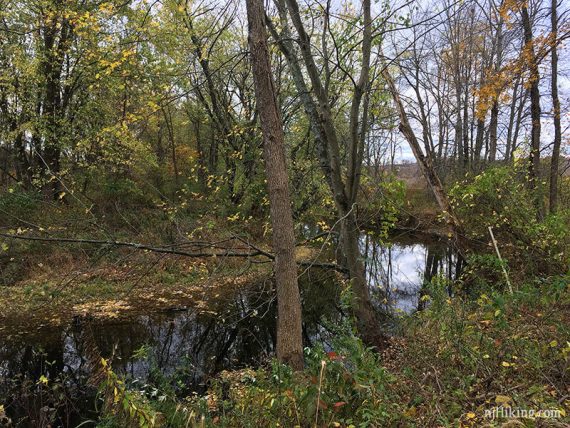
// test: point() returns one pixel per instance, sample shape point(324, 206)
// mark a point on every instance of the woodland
point(284, 213)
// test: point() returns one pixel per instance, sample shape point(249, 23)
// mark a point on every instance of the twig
point(323, 365)
point(501, 260)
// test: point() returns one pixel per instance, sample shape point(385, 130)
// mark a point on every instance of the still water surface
point(196, 345)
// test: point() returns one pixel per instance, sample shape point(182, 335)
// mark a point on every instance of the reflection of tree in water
point(398, 272)
point(443, 261)
point(233, 332)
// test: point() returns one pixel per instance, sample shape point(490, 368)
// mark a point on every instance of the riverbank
point(170, 326)
point(457, 363)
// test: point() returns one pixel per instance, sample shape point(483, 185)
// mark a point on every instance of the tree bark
point(512, 114)
point(534, 158)
point(426, 166)
point(554, 163)
point(289, 326)
point(493, 125)
point(344, 191)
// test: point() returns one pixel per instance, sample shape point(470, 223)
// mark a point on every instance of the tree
point(554, 164)
point(426, 166)
point(289, 327)
point(317, 102)
point(535, 111)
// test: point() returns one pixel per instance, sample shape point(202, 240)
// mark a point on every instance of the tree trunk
point(518, 123)
point(289, 326)
point(344, 192)
point(52, 105)
point(202, 168)
point(493, 125)
point(512, 114)
point(534, 158)
point(426, 166)
point(556, 110)
point(479, 137)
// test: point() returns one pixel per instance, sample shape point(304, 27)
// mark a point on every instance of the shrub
point(500, 198)
point(17, 205)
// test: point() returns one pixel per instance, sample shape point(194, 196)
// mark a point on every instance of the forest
point(284, 213)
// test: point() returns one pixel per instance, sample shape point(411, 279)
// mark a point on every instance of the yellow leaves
point(43, 380)
point(566, 350)
point(506, 364)
point(126, 54)
point(470, 415)
point(106, 8)
point(503, 400)
point(234, 217)
point(153, 106)
point(236, 155)
point(495, 82)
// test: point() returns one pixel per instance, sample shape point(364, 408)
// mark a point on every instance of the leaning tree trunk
point(426, 166)
point(317, 106)
point(289, 327)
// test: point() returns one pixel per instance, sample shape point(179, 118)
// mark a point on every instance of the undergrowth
point(459, 358)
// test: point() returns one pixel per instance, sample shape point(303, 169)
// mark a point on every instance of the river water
point(195, 345)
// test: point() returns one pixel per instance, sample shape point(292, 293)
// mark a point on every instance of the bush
point(18, 205)
point(463, 356)
point(500, 198)
point(344, 387)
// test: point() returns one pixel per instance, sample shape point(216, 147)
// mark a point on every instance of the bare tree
point(426, 165)
point(535, 111)
point(556, 110)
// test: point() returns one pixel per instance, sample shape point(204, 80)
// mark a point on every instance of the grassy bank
point(453, 362)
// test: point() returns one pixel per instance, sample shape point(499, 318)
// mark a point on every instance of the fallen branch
point(227, 253)
point(164, 250)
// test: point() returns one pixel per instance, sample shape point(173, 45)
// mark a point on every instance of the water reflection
point(398, 271)
point(207, 341)
point(236, 332)
point(197, 343)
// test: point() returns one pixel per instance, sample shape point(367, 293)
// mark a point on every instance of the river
point(193, 344)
